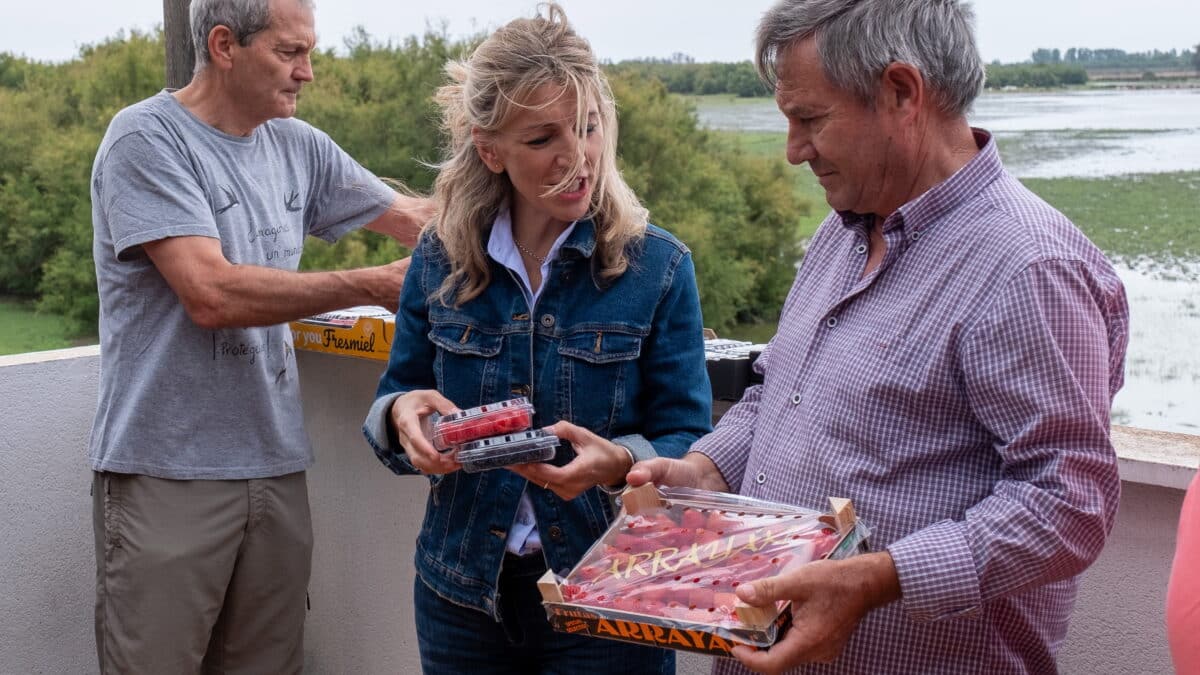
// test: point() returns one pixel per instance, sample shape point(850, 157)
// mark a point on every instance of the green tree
point(735, 211)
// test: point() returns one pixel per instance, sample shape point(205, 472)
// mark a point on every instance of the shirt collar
point(923, 212)
point(502, 247)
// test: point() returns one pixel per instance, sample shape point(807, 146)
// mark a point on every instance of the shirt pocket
point(598, 375)
point(467, 362)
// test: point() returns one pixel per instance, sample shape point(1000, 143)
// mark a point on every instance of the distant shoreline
point(1093, 85)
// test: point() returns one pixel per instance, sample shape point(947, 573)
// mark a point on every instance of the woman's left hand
point(597, 462)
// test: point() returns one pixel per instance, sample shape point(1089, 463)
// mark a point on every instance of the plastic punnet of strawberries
point(493, 419)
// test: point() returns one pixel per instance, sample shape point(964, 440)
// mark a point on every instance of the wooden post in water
point(176, 31)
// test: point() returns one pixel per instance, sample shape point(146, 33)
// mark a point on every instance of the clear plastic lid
point(682, 560)
point(493, 419)
point(522, 447)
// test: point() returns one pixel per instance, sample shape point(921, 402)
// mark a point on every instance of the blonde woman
point(541, 278)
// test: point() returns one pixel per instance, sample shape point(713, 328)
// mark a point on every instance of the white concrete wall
point(47, 571)
point(1118, 626)
point(365, 520)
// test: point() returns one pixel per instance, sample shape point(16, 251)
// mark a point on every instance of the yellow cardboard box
point(365, 332)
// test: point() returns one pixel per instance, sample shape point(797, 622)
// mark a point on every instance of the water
point(1162, 365)
point(1095, 134)
point(1053, 135)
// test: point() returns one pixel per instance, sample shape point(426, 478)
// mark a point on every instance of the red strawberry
point(693, 519)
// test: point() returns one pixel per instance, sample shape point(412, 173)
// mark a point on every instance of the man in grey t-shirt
point(201, 199)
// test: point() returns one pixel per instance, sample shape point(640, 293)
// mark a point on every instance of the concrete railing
point(365, 521)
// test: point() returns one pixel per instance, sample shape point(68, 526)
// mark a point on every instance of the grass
point(1128, 217)
point(22, 329)
point(700, 100)
point(1131, 218)
point(1051, 145)
point(1138, 219)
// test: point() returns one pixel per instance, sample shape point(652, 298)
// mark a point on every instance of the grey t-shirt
point(180, 401)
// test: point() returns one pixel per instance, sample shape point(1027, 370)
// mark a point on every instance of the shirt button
point(796, 398)
point(915, 236)
point(760, 478)
point(547, 320)
point(831, 321)
point(860, 249)
point(555, 533)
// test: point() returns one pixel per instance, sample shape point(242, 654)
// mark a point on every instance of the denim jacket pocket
point(465, 339)
point(601, 346)
point(466, 365)
point(597, 373)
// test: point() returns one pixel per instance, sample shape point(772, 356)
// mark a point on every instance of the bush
point(1042, 75)
point(735, 211)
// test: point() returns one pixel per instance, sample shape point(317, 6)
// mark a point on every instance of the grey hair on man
point(244, 18)
point(858, 39)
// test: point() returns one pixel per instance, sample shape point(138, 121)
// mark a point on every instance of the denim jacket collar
point(583, 239)
point(582, 244)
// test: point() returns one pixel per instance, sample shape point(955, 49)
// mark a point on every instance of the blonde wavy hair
point(482, 94)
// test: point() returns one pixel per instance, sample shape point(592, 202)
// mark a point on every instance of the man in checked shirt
point(947, 358)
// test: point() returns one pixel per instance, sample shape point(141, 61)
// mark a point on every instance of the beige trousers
point(201, 576)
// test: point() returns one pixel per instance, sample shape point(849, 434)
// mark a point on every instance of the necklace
point(540, 258)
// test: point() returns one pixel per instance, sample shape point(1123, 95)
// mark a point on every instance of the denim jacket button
point(547, 320)
point(520, 390)
point(555, 532)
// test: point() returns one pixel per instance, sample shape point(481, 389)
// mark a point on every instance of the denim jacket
point(623, 358)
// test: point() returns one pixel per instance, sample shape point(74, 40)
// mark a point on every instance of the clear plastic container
point(522, 447)
point(493, 419)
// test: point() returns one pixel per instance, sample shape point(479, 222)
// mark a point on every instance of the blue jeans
point(456, 639)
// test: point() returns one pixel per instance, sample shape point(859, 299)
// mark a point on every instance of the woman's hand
point(409, 416)
point(597, 462)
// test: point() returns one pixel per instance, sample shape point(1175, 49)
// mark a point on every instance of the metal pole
point(180, 56)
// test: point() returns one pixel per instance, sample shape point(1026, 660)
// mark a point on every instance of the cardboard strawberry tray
point(665, 571)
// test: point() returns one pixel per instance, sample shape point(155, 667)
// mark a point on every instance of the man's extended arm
point(404, 219)
point(219, 294)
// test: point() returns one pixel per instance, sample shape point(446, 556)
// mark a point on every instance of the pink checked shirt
point(960, 396)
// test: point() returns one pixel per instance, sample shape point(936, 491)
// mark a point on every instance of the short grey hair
point(244, 18)
point(858, 39)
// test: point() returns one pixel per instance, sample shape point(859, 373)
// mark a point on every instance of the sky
point(708, 30)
